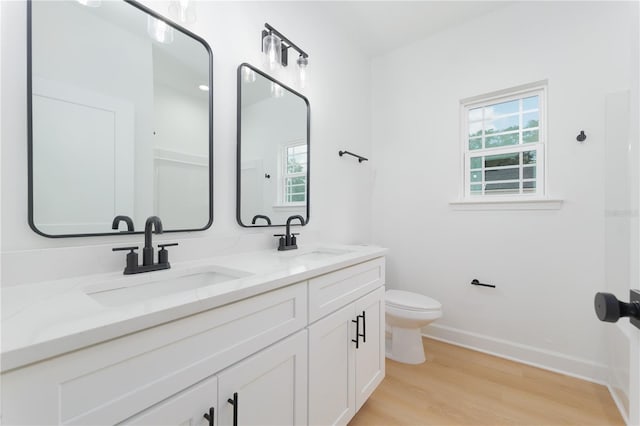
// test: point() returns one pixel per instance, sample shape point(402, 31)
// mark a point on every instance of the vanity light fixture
point(275, 47)
point(159, 30)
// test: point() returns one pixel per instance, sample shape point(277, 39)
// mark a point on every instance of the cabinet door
point(370, 353)
point(331, 368)
point(271, 386)
point(186, 408)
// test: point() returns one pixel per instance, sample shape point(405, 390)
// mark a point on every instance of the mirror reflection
point(273, 150)
point(120, 120)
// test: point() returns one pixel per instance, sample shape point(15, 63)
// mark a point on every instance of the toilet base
point(405, 345)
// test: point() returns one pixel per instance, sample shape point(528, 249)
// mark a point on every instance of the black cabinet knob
point(610, 309)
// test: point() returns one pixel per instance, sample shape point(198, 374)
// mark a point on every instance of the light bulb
point(203, 87)
point(277, 91)
point(272, 48)
point(183, 11)
point(90, 3)
point(159, 30)
point(302, 62)
point(248, 75)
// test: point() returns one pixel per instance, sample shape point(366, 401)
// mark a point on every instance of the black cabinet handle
point(234, 402)
point(364, 327)
point(210, 416)
point(357, 339)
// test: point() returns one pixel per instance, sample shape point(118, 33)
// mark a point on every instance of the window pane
point(297, 164)
point(529, 157)
point(502, 160)
point(530, 136)
point(475, 143)
point(502, 188)
point(528, 187)
point(530, 119)
point(501, 140)
point(502, 174)
point(475, 162)
point(475, 129)
point(529, 172)
point(475, 114)
point(502, 108)
point(297, 198)
point(476, 189)
point(503, 124)
point(476, 176)
point(530, 103)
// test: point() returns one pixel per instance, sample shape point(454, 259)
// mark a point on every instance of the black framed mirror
point(273, 155)
point(119, 120)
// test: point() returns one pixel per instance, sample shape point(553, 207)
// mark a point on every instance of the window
point(294, 174)
point(504, 141)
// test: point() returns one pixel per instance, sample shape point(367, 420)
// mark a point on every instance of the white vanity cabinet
point(186, 408)
point(282, 357)
point(346, 347)
point(116, 381)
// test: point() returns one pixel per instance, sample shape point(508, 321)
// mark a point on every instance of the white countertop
point(50, 318)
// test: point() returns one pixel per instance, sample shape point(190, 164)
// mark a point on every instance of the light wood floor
point(458, 386)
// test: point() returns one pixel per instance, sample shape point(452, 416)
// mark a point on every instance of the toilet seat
point(411, 301)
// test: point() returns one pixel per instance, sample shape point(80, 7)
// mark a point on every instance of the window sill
point(531, 204)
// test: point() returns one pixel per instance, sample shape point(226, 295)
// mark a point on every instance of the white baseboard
point(621, 408)
point(548, 360)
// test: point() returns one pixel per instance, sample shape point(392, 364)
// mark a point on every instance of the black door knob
point(610, 309)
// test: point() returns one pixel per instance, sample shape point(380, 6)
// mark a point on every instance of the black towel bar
point(476, 282)
point(359, 157)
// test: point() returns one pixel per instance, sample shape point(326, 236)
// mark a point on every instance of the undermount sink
point(144, 287)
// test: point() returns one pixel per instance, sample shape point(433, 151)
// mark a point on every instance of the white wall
point(339, 93)
point(547, 265)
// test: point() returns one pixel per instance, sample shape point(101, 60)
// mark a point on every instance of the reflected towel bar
point(359, 157)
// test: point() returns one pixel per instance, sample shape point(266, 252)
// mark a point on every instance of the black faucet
point(152, 223)
point(147, 251)
point(260, 216)
point(288, 240)
point(125, 219)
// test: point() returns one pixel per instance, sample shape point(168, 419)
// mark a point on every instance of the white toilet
point(406, 314)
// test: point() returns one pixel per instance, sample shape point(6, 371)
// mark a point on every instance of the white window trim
point(282, 165)
point(539, 200)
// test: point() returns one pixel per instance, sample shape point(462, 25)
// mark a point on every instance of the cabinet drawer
point(110, 382)
point(331, 291)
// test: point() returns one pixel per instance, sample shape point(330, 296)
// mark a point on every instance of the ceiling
point(378, 27)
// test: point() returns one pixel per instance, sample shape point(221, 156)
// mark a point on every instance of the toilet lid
point(411, 301)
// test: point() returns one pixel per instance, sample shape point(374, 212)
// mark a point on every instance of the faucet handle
point(132, 259)
point(124, 248)
point(163, 254)
point(278, 235)
point(162, 246)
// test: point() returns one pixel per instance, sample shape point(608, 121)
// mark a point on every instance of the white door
point(622, 255)
point(268, 388)
point(83, 159)
point(370, 353)
point(331, 368)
